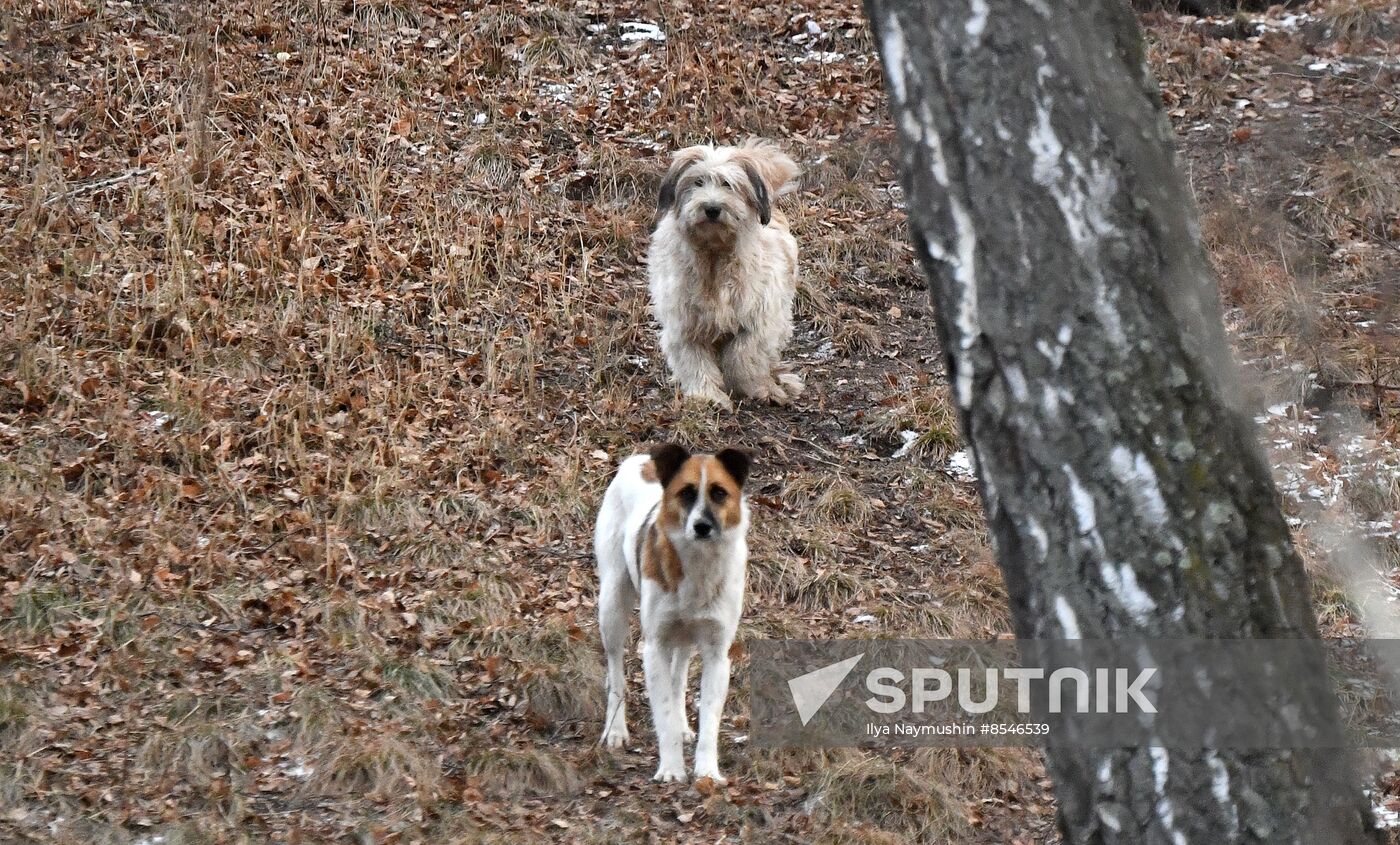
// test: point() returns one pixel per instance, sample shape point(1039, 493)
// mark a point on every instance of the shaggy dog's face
point(715, 195)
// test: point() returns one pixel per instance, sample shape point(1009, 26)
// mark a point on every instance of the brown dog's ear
point(668, 458)
point(736, 462)
point(667, 197)
point(760, 194)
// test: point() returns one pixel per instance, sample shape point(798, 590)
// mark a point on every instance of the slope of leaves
point(323, 326)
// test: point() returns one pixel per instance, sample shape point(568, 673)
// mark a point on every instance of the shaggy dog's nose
point(712, 212)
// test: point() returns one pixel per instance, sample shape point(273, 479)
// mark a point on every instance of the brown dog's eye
point(718, 494)
point(687, 495)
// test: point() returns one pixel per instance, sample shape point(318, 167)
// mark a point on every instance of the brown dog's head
point(703, 498)
point(717, 192)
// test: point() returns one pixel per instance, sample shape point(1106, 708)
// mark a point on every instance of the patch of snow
point(1386, 818)
point(560, 91)
point(160, 419)
point(635, 31)
point(821, 57)
point(910, 438)
point(863, 619)
point(960, 465)
point(1287, 23)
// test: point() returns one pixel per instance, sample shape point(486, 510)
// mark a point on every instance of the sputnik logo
point(810, 691)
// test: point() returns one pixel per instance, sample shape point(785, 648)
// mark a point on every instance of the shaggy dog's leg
point(714, 688)
point(694, 368)
point(753, 366)
point(666, 714)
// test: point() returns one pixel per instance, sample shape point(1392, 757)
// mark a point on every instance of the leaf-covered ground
point(322, 324)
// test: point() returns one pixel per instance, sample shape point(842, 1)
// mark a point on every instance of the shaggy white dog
point(722, 269)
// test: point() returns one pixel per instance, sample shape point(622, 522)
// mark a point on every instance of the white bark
point(1125, 492)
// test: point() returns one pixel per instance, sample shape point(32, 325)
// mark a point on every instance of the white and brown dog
point(672, 528)
point(722, 268)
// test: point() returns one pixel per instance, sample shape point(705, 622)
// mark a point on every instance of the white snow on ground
point(1386, 818)
point(561, 91)
point(960, 465)
point(1318, 472)
point(159, 419)
point(641, 31)
point(910, 438)
point(1333, 65)
point(821, 57)
point(1286, 23)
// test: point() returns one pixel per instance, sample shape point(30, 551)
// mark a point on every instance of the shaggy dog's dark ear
point(668, 458)
point(736, 462)
point(667, 196)
point(760, 194)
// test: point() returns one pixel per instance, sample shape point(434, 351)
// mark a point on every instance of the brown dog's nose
point(712, 212)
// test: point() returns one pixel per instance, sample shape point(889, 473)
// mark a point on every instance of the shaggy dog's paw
point(791, 384)
point(713, 395)
point(669, 775)
point(616, 737)
point(784, 388)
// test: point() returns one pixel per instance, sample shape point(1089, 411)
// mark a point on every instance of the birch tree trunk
point(1124, 489)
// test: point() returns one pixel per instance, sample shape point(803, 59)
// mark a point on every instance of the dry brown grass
point(308, 372)
point(322, 326)
point(1358, 20)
